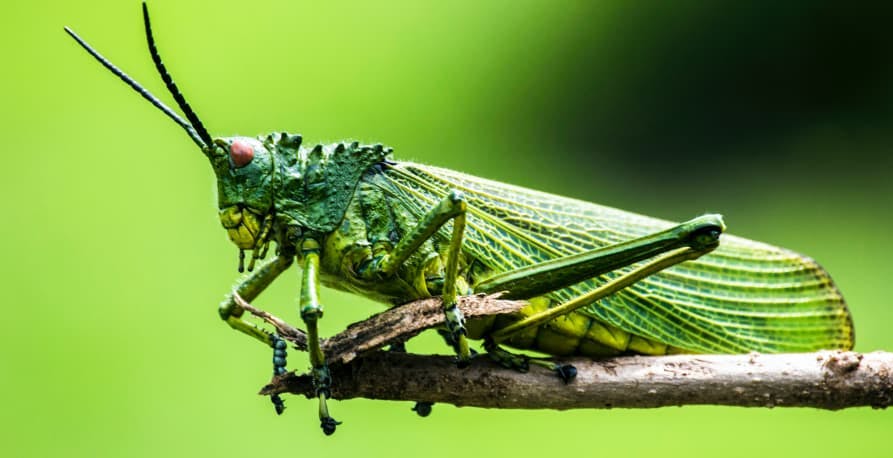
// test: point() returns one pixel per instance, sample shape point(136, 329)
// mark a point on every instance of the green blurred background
point(777, 115)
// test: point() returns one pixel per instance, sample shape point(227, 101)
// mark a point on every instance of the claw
point(328, 425)
point(566, 372)
point(278, 404)
point(422, 408)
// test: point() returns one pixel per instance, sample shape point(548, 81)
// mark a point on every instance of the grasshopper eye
point(240, 154)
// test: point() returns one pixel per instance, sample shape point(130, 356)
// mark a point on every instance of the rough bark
point(827, 380)
point(395, 325)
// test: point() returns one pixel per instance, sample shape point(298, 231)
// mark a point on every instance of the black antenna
point(200, 136)
point(166, 77)
point(139, 88)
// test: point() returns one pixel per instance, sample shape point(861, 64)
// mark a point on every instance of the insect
point(600, 281)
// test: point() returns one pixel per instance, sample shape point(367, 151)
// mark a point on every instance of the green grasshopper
point(599, 281)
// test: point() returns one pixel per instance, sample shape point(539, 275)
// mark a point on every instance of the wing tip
point(846, 334)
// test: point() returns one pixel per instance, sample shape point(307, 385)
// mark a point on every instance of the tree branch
point(827, 380)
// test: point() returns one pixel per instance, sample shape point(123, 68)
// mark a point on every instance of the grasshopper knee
point(455, 203)
point(225, 309)
point(311, 313)
point(228, 308)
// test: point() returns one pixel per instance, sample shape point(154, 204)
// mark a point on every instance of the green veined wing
point(745, 296)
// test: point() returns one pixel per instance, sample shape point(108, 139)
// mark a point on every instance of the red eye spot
point(241, 153)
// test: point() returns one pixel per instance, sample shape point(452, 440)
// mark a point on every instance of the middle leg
point(452, 207)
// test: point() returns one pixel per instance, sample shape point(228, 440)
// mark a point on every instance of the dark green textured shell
point(318, 183)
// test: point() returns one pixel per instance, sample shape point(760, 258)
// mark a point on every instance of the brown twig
point(285, 330)
point(394, 325)
point(827, 380)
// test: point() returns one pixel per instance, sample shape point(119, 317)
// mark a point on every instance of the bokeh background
point(776, 114)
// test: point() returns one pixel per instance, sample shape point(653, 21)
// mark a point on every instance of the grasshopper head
point(244, 169)
point(244, 166)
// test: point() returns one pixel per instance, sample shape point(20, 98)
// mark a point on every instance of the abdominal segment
point(570, 334)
